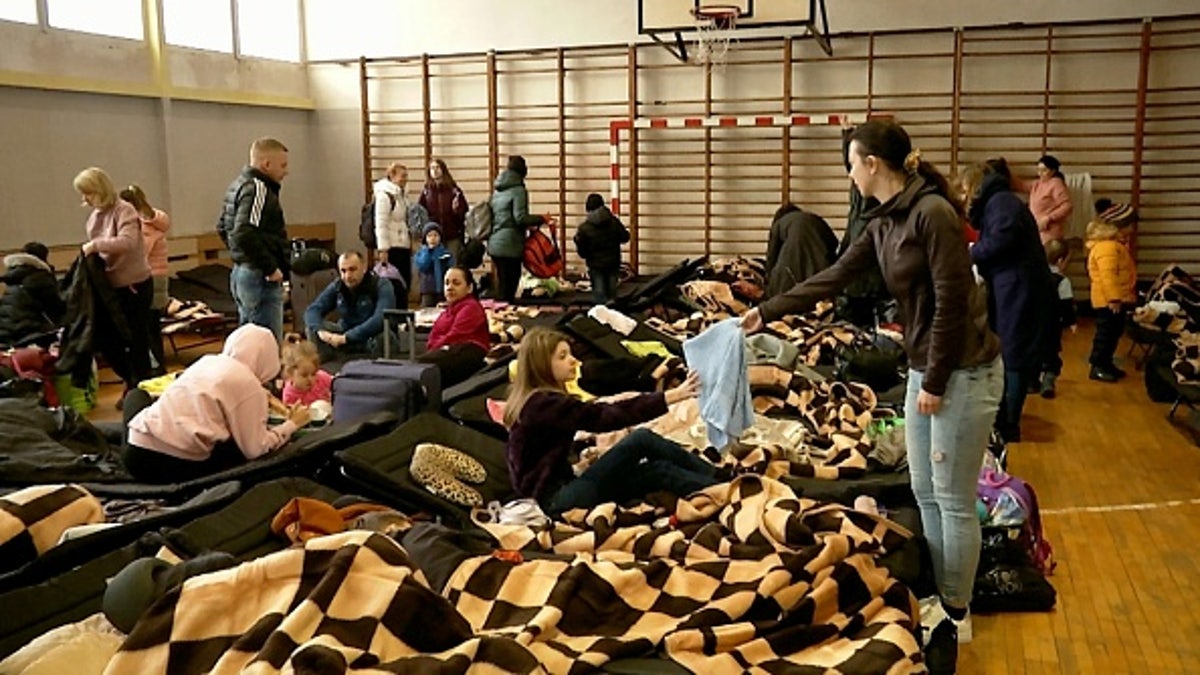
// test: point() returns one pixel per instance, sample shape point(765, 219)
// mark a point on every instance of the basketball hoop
point(715, 27)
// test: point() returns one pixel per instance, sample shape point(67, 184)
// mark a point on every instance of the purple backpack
point(1011, 501)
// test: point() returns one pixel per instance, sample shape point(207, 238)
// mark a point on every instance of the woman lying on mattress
point(213, 417)
point(542, 420)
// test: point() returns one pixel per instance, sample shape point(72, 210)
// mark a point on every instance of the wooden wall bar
point(1117, 100)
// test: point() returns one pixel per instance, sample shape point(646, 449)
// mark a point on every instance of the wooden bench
point(192, 251)
point(189, 251)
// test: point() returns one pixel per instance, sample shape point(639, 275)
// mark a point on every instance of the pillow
point(441, 470)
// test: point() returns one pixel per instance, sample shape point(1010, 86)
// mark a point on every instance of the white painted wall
point(49, 136)
point(408, 27)
point(82, 100)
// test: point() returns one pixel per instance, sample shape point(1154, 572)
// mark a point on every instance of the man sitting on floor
point(360, 298)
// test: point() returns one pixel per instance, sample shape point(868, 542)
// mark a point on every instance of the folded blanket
point(33, 519)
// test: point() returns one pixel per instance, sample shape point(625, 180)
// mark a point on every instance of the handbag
point(30, 372)
point(386, 270)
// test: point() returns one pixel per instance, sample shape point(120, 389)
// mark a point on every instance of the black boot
point(1048, 381)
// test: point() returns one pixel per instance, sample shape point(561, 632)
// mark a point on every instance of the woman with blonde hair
point(1012, 262)
point(392, 238)
point(543, 418)
point(155, 225)
point(114, 233)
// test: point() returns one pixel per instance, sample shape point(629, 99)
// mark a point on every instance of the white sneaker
point(932, 613)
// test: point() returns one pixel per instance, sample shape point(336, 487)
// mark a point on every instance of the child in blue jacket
point(432, 262)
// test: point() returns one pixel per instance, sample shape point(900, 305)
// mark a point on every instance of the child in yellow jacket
point(1113, 275)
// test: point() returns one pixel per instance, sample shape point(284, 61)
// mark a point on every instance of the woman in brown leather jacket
point(955, 378)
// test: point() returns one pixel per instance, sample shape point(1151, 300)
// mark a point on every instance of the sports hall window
point(118, 18)
point(269, 29)
point(200, 24)
point(24, 11)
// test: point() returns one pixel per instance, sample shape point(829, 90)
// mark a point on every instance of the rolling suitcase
point(304, 289)
point(403, 388)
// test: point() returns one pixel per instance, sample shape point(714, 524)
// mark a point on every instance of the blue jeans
point(945, 451)
point(258, 301)
point(604, 285)
point(641, 463)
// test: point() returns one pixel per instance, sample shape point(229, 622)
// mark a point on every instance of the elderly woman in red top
point(459, 339)
point(1049, 199)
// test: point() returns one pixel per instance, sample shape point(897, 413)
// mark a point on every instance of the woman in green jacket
point(510, 217)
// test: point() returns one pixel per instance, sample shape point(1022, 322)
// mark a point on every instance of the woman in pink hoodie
point(155, 224)
point(213, 417)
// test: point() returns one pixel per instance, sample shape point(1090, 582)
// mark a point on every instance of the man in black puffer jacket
point(252, 226)
point(598, 241)
point(32, 308)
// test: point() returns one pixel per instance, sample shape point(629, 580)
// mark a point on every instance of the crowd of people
point(975, 275)
point(974, 350)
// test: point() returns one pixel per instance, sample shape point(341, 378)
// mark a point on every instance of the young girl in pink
point(303, 380)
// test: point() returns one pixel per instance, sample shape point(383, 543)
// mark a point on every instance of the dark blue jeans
point(604, 285)
point(1012, 403)
point(641, 463)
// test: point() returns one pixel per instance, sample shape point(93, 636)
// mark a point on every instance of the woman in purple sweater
point(543, 419)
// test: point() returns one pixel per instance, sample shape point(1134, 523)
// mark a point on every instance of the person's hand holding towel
point(689, 388)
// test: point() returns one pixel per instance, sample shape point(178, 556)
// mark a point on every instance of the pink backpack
point(1011, 502)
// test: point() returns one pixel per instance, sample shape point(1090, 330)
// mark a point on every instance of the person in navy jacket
point(360, 298)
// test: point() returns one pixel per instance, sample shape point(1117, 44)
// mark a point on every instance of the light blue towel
point(719, 356)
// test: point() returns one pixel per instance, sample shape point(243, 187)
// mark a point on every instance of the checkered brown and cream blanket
point(33, 519)
point(742, 577)
point(350, 602)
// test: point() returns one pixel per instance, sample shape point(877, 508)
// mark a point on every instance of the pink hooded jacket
point(217, 398)
point(154, 234)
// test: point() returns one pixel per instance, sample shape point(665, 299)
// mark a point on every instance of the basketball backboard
point(668, 21)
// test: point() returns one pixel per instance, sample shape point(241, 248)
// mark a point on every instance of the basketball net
point(715, 28)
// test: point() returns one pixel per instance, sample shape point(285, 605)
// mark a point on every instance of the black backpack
point(307, 260)
point(366, 222)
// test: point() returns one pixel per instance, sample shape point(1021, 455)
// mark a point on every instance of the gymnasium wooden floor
point(1120, 495)
point(1119, 489)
